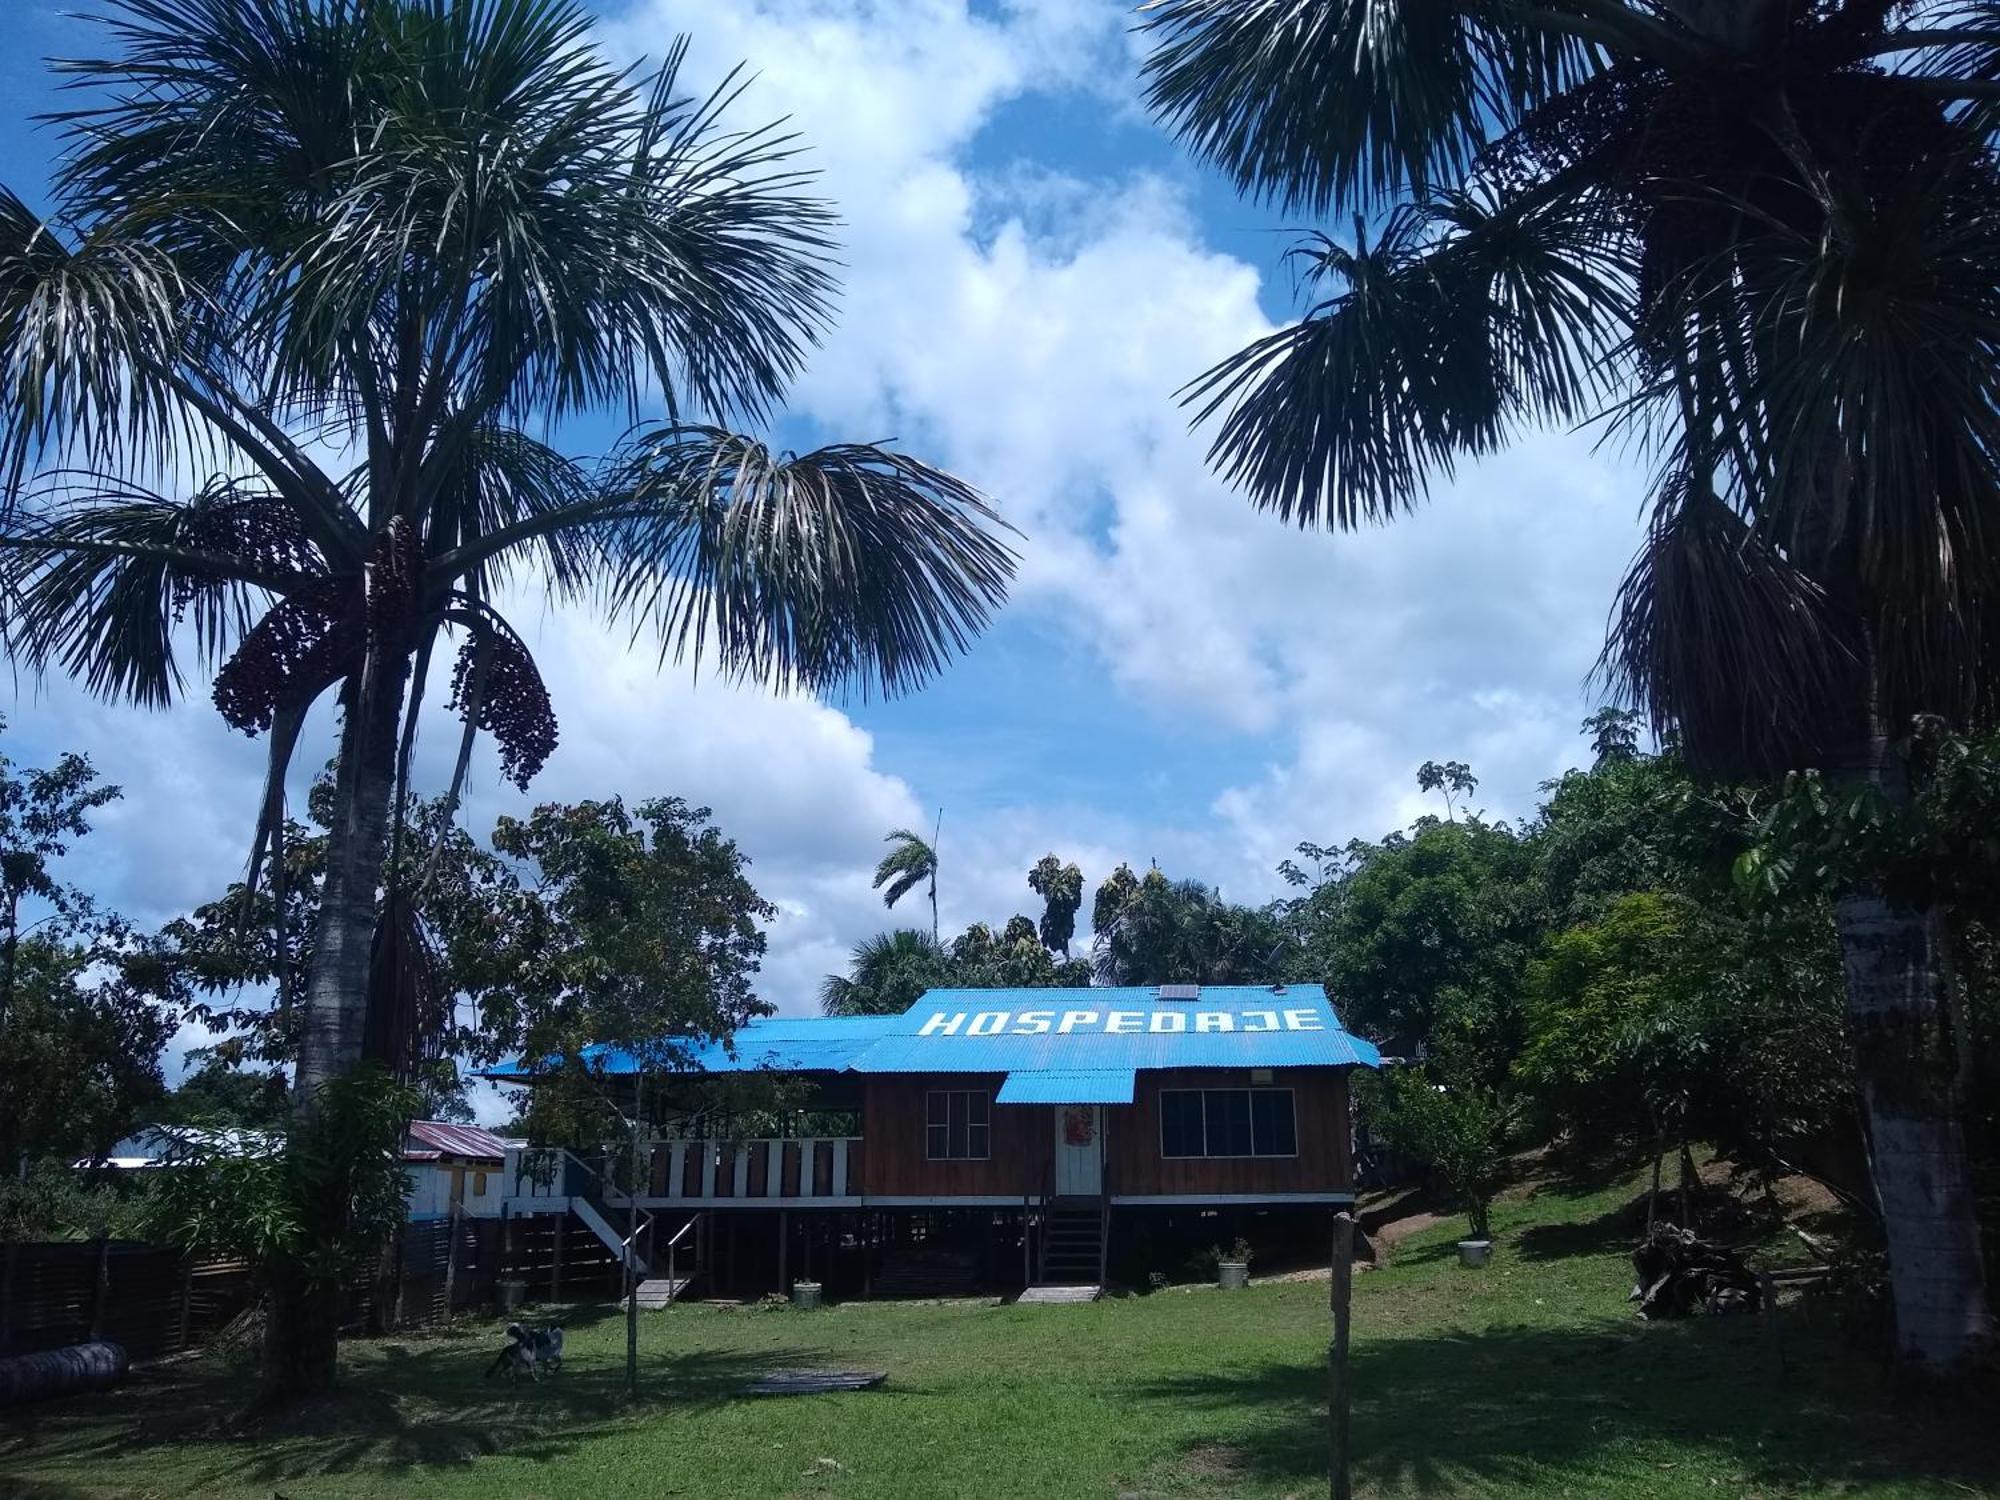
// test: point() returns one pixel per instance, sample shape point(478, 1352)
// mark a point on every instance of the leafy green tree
point(886, 974)
point(1614, 734)
point(1152, 930)
point(1014, 959)
point(1453, 779)
point(913, 862)
point(1457, 1126)
point(42, 812)
point(1429, 937)
point(220, 1093)
point(1758, 235)
point(79, 1049)
point(338, 263)
point(1061, 888)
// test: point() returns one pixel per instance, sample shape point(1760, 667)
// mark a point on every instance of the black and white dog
point(530, 1351)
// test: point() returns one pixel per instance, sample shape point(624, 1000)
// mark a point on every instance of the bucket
point(512, 1292)
point(1232, 1275)
point(805, 1294)
point(1474, 1252)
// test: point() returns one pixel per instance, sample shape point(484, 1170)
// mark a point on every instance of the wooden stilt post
point(784, 1253)
point(561, 1228)
point(1339, 1392)
point(102, 1292)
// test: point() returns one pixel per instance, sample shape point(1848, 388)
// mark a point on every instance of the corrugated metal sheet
point(1040, 1031)
point(1068, 1086)
point(456, 1140)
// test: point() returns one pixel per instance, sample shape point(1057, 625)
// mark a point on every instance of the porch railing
point(756, 1171)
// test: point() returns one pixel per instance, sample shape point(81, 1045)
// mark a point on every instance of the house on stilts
point(985, 1138)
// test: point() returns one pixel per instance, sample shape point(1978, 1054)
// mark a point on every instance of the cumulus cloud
point(1024, 314)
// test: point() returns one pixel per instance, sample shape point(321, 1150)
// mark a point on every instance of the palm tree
point(277, 380)
point(912, 862)
point(885, 975)
point(1757, 236)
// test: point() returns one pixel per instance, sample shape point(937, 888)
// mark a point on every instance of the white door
point(1079, 1150)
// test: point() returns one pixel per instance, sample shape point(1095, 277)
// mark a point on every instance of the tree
point(287, 231)
point(1427, 940)
point(222, 1094)
point(1152, 930)
point(1760, 236)
point(1453, 778)
point(1455, 1125)
point(41, 813)
point(1614, 734)
point(79, 1051)
point(886, 974)
point(637, 930)
point(1061, 888)
point(910, 864)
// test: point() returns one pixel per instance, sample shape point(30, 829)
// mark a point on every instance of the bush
point(1457, 1129)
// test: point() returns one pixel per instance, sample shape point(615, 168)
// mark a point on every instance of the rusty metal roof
point(429, 1139)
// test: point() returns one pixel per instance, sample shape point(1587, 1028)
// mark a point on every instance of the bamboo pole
point(1339, 1382)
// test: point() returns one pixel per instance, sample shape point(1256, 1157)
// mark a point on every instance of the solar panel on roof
point(1180, 992)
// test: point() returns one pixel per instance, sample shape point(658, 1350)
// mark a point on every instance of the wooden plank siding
point(1023, 1141)
point(1133, 1163)
point(893, 1121)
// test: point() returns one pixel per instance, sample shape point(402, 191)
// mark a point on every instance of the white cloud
point(1027, 323)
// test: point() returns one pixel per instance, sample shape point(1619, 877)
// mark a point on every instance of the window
point(478, 1184)
point(957, 1127)
point(1227, 1122)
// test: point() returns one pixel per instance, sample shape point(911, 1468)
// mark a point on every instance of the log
point(57, 1372)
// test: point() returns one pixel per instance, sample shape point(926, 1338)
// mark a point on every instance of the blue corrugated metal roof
point(1040, 1031)
point(1068, 1086)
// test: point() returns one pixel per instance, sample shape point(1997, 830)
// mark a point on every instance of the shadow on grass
point(409, 1402)
point(1581, 1410)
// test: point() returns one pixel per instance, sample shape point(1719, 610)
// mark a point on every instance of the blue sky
point(1032, 270)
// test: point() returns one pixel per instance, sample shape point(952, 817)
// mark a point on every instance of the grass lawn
point(1529, 1378)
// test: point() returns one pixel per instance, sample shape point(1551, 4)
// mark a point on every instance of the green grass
point(1530, 1378)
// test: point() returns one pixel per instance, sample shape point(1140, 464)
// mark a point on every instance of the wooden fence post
point(555, 1260)
point(102, 1293)
point(7, 1295)
point(1339, 1392)
point(450, 1258)
point(187, 1302)
point(402, 1256)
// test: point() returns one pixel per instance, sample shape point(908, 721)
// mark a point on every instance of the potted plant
point(1458, 1129)
point(1232, 1266)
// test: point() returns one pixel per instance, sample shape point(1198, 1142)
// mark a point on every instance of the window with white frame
point(1227, 1123)
point(957, 1125)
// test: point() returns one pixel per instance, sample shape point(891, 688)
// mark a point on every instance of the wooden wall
point(1024, 1140)
point(892, 1123)
point(1133, 1163)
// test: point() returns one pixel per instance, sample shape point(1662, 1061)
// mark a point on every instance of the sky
point(1031, 269)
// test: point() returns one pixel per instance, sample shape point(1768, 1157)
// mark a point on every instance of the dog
point(530, 1351)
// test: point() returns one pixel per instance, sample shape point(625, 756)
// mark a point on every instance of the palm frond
point(1329, 104)
point(905, 867)
point(850, 566)
point(1461, 316)
point(1726, 645)
point(500, 479)
point(101, 577)
point(84, 333)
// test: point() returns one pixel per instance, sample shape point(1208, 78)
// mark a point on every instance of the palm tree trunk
point(304, 1326)
point(1904, 1057)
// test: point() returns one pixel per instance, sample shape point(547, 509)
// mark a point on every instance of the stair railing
point(673, 1281)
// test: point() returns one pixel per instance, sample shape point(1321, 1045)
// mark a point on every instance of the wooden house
point(1034, 1130)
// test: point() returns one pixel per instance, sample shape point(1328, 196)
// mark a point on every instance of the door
point(1079, 1150)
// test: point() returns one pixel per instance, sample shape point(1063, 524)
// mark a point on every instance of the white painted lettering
point(1303, 1020)
point(1169, 1020)
point(988, 1023)
point(1075, 1018)
point(941, 1024)
point(1032, 1022)
point(1124, 1022)
point(1270, 1022)
point(1214, 1020)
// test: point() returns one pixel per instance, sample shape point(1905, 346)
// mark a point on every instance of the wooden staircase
point(1073, 1243)
point(659, 1291)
